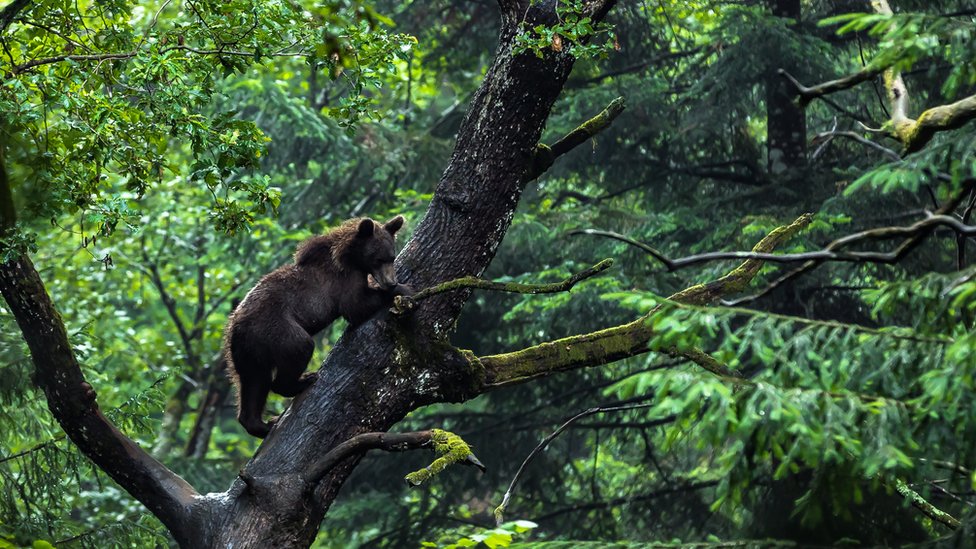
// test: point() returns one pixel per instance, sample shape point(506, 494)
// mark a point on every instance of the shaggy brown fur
point(268, 340)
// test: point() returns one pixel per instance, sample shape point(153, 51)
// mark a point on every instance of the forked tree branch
point(833, 251)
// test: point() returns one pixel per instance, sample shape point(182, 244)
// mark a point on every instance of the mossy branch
point(401, 304)
point(450, 449)
point(633, 338)
point(927, 509)
point(448, 446)
point(546, 155)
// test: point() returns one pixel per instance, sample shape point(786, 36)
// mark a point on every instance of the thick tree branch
point(392, 442)
point(72, 400)
point(915, 134)
point(633, 338)
point(404, 303)
point(545, 155)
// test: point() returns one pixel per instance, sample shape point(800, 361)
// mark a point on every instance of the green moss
point(450, 449)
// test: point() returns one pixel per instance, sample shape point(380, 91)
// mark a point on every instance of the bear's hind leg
point(253, 396)
point(292, 359)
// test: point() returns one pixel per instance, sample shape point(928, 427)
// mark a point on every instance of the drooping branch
point(631, 339)
point(546, 155)
point(403, 303)
point(500, 510)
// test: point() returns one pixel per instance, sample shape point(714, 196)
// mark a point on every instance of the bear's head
point(374, 251)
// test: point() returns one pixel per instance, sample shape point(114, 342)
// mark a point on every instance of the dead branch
point(500, 510)
point(808, 94)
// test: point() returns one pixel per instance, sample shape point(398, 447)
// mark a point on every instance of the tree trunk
point(382, 370)
point(786, 127)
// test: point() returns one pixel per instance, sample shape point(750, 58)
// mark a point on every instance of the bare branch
point(404, 303)
point(500, 510)
point(905, 247)
point(826, 137)
point(808, 94)
point(832, 251)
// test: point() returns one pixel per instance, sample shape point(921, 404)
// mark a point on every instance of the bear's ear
point(393, 225)
point(365, 228)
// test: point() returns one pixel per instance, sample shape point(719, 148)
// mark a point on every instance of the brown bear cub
point(347, 272)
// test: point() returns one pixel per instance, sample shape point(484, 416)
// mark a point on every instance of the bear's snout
point(385, 277)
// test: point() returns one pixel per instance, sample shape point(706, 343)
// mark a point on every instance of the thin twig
point(500, 510)
point(403, 303)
